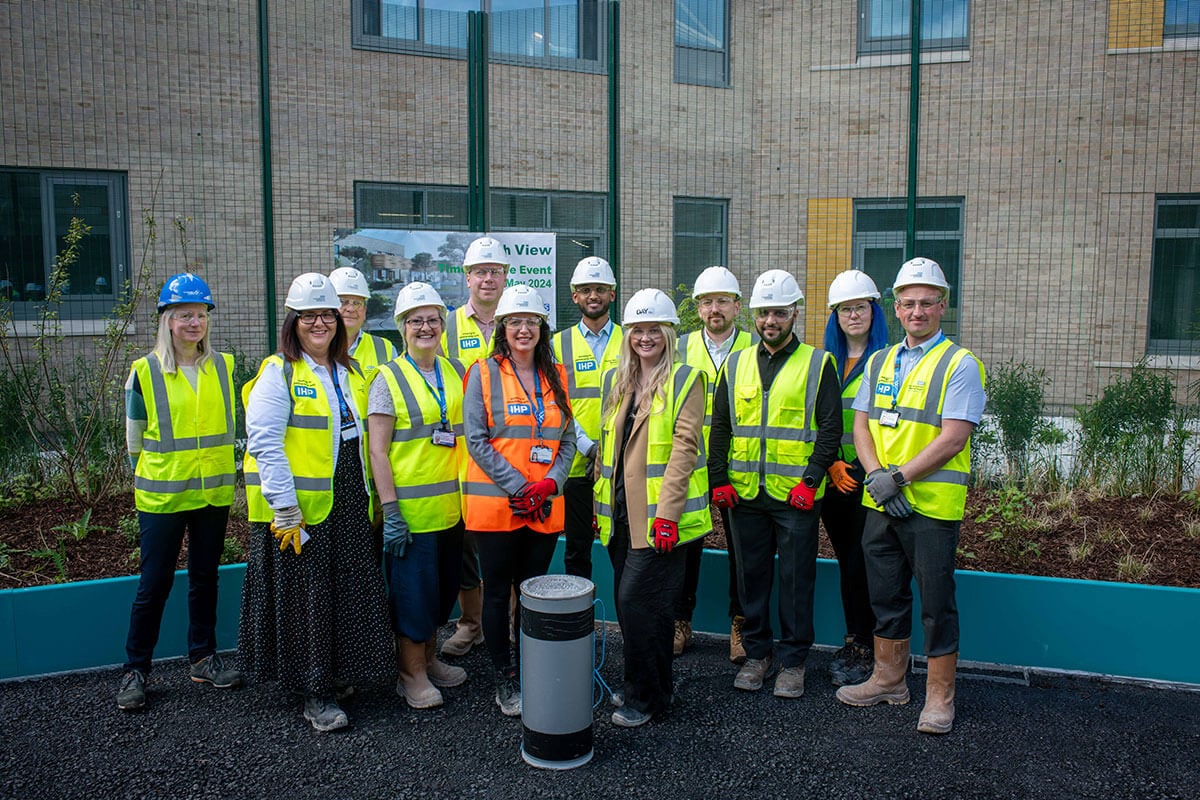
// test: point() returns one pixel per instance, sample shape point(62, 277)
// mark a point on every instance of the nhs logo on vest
point(468, 344)
point(517, 409)
point(586, 366)
point(305, 391)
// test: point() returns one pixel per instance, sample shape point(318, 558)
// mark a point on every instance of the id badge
point(349, 432)
point(889, 418)
point(443, 438)
point(540, 454)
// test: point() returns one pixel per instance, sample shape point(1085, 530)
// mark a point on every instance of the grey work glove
point(288, 518)
point(396, 535)
point(881, 486)
point(898, 507)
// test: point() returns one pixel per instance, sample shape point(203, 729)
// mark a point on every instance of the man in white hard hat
point(718, 300)
point(776, 427)
point(468, 338)
point(587, 350)
point(914, 414)
point(354, 293)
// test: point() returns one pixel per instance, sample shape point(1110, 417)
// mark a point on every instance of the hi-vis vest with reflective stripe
point(942, 494)
point(511, 428)
point(307, 440)
point(849, 392)
point(583, 381)
point(187, 450)
point(695, 521)
point(693, 352)
point(774, 431)
point(462, 341)
point(371, 352)
point(425, 475)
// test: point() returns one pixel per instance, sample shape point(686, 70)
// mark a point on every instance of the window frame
point(361, 40)
point(681, 75)
point(1162, 346)
point(677, 278)
point(890, 45)
point(1179, 31)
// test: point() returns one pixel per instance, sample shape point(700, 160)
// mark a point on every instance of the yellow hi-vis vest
point(695, 521)
point(425, 475)
point(371, 352)
point(187, 450)
point(693, 352)
point(583, 382)
point(942, 494)
point(307, 441)
point(849, 392)
point(774, 431)
point(462, 341)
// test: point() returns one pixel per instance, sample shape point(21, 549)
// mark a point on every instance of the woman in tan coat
point(651, 494)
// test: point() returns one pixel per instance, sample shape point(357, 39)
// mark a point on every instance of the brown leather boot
point(413, 684)
point(441, 674)
point(938, 714)
point(737, 651)
point(886, 684)
point(470, 630)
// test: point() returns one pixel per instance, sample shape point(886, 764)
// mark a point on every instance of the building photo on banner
point(393, 258)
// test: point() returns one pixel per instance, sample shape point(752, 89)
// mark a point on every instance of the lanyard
point(539, 411)
point(343, 406)
point(440, 393)
point(896, 367)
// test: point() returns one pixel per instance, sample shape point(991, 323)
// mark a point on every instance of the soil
point(1068, 535)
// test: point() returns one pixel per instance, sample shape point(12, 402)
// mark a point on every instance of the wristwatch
point(899, 478)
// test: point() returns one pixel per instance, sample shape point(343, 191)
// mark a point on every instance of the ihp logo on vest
point(468, 344)
point(884, 389)
point(586, 366)
point(305, 391)
point(517, 409)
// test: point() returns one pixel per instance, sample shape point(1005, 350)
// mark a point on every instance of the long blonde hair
point(164, 347)
point(629, 373)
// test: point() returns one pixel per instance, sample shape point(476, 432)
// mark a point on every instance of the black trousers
point(577, 555)
point(762, 527)
point(899, 550)
point(506, 558)
point(647, 586)
point(686, 606)
point(844, 516)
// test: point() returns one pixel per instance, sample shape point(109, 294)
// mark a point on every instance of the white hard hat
point(650, 305)
point(853, 284)
point(521, 299)
point(310, 291)
point(349, 281)
point(716, 279)
point(592, 269)
point(920, 272)
point(485, 250)
point(416, 295)
point(775, 288)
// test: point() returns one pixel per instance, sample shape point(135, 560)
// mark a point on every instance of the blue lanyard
point(440, 393)
point(900, 348)
point(343, 406)
point(539, 412)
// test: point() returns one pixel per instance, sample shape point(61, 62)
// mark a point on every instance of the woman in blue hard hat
point(856, 328)
point(179, 433)
point(314, 606)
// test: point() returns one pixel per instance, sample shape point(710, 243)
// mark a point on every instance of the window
point(565, 34)
point(1181, 18)
point(36, 208)
point(883, 25)
point(1175, 282)
point(578, 220)
point(879, 233)
point(702, 42)
point(700, 237)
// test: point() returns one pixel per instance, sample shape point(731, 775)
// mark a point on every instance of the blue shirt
point(965, 397)
point(598, 342)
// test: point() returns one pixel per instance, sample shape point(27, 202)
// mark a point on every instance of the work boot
point(938, 714)
point(413, 684)
point(752, 674)
point(683, 636)
point(324, 714)
point(211, 669)
point(852, 664)
point(737, 651)
point(508, 692)
point(441, 674)
point(886, 684)
point(131, 693)
point(469, 631)
point(790, 682)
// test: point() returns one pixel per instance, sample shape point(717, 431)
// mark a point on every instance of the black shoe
point(508, 693)
point(856, 668)
point(212, 670)
point(843, 656)
point(131, 695)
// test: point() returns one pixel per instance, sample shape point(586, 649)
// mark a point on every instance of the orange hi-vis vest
point(512, 429)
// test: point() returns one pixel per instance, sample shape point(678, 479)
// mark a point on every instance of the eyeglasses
point(354, 302)
point(647, 333)
point(190, 316)
point(532, 323)
point(417, 324)
point(487, 272)
point(910, 305)
point(311, 317)
point(716, 302)
point(589, 290)
point(862, 309)
point(780, 314)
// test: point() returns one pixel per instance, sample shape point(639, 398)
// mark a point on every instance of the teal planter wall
point(1111, 629)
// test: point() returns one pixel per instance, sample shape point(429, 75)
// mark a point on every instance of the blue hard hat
point(184, 288)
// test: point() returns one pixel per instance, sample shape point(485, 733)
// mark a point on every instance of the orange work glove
point(839, 476)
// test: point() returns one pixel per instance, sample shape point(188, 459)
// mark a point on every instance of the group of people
point(381, 485)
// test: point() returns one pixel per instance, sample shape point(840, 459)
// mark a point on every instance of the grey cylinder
point(557, 647)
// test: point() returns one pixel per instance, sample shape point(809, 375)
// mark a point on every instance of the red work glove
point(802, 496)
point(532, 497)
point(666, 534)
point(725, 496)
point(839, 476)
point(595, 526)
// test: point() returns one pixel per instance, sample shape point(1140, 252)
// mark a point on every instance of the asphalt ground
point(1014, 737)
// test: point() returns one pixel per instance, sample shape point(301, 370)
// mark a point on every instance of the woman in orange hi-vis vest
point(521, 440)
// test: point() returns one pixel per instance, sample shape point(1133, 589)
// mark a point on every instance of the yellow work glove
point(287, 526)
point(839, 476)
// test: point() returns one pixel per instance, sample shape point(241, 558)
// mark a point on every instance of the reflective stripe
point(426, 490)
point(167, 442)
point(452, 337)
point(309, 422)
point(480, 489)
point(931, 412)
point(190, 484)
point(951, 476)
point(381, 354)
point(691, 504)
point(775, 432)
point(312, 484)
point(568, 360)
point(771, 467)
point(586, 393)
